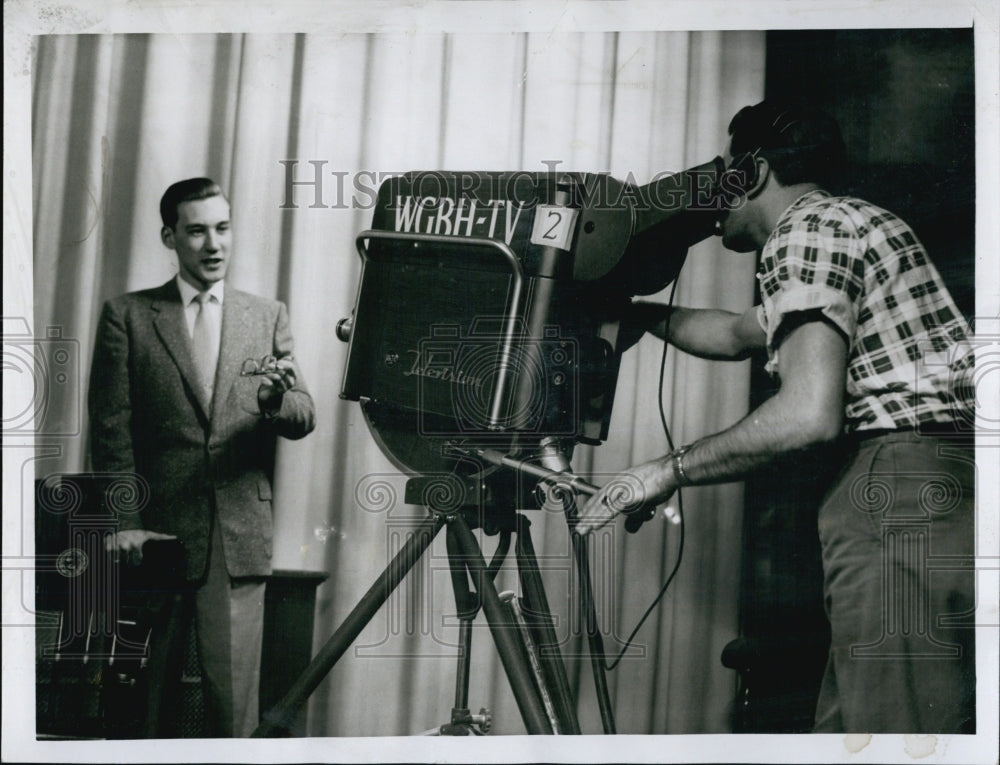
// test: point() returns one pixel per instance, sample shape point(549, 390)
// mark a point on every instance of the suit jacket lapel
point(235, 347)
point(171, 326)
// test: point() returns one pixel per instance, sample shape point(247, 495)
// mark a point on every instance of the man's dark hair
point(801, 143)
point(185, 191)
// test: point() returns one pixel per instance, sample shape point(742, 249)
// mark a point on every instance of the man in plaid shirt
point(874, 362)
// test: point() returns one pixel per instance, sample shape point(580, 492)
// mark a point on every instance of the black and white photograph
point(411, 382)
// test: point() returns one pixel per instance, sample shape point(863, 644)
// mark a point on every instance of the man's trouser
point(897, 533)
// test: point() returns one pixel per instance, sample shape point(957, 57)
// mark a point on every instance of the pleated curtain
point(300, 129)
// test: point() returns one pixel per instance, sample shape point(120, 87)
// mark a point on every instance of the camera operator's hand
point(276, 381)
point(651, 483)
point(127, 544)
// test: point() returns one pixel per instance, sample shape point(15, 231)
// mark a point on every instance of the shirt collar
point(189, 293)
point(814, 195)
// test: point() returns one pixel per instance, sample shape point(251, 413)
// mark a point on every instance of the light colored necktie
point(205, 342)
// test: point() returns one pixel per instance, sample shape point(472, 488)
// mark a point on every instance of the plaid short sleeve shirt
point(863, 269)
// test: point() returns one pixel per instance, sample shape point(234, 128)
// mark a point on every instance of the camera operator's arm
point(704, 332)
point(806, 410)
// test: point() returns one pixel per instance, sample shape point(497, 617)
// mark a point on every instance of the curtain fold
point(301, 129)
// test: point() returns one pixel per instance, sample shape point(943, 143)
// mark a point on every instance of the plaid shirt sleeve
point(863, 270)
point(812, 262)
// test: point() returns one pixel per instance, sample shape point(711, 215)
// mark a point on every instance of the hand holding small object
point(279, 377)
point(267, 365)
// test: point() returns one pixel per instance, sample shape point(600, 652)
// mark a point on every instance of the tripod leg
point(467, 604)
point(504, 633)
point(278, 721)
point(594, 640)
point(540, 617)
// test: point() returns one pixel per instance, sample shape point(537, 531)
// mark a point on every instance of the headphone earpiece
point(744, 172)
point(739, 178)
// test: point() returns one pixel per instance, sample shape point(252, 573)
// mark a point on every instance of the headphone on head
point(743, 174)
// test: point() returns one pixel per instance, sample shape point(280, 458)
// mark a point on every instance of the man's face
point(735, 220)
point(201, 239)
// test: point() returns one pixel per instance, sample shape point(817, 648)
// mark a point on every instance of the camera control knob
point(344, 327)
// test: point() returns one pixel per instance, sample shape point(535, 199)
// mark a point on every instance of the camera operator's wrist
point(677, 465)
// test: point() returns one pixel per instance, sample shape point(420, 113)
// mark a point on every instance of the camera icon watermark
point(923, 521)
point(75, 516)
point(970, 373)
point(494, 380)
point(48, 399)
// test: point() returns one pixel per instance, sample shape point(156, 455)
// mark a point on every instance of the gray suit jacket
point(148, 417)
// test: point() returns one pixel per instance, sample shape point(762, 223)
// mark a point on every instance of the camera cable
point(680, 500)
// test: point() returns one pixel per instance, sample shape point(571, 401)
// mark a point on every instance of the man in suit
point(169, 405)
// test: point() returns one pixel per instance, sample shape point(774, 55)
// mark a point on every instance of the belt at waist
point(945, 430)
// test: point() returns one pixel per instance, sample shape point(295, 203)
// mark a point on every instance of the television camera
point(484, 344)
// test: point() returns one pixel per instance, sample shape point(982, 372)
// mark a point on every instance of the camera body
point(488, 311)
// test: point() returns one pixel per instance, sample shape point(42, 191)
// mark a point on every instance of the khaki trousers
point(897, 534)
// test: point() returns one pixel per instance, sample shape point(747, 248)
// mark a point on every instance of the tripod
point(523, 631)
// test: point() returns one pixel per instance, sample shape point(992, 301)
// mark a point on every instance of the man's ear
point(167, 237)
point(763, 175)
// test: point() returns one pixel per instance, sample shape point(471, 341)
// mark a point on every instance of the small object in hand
point(266, 366)
point(635, 519)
